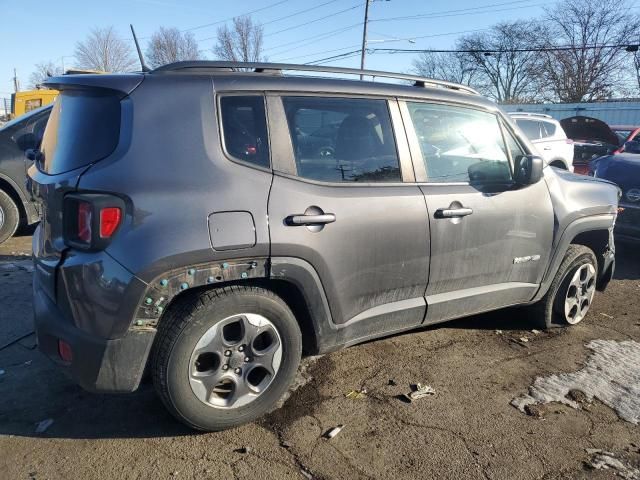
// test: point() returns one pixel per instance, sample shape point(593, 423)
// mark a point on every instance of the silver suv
point(210, 222)
point(549, 138)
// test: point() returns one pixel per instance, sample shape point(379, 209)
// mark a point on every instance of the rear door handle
point(322, 219)
point(453, 212)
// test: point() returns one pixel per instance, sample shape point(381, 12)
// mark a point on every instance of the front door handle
point(453, 212)
point(321, 219)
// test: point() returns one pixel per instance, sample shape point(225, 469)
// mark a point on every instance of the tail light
point(91, 220)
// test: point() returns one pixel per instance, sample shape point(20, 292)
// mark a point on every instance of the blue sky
point(36, 31)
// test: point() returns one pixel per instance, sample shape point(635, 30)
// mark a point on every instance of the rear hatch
point(84, 128)
point(592, 138)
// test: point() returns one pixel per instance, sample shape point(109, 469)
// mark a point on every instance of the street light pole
point(364, 36)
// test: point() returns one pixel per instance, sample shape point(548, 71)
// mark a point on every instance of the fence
point(613, 113)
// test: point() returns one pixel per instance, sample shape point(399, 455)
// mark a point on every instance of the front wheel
point(225, 357)
point(9, 217)
point(571, 293)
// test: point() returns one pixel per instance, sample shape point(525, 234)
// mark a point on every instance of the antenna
point(135, 39)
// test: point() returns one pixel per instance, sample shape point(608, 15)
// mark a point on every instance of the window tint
point(244, 126)
point(531, 128)
point(549, 129)
point(84, 127)
point(460, 144)
point(342, 139)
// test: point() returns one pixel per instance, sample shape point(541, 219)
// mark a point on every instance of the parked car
point(548, 137)
point(16, 207)
point(592, 138)
point(623, 170)
point(625, 133)
point(185, 233)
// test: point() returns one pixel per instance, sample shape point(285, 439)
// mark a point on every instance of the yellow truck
point(25, 101)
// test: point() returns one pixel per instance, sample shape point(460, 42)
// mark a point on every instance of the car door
point(344, 201)
point(490, 239)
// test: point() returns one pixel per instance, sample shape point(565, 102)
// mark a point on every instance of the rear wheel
point(224, 357)
point(9, 217)
point(571, 293)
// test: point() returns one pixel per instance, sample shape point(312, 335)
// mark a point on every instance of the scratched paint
point(611, 374)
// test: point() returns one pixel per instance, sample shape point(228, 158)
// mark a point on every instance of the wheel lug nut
point(225, 367)
point(238, 371)
point(227, 353)
point(241, 348)
point(247, 359)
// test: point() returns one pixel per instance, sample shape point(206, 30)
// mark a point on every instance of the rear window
point(84, 127)
point(549, 129)
point(531, 128)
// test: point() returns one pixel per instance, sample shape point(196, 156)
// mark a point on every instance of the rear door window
point(460, 144)
point(84, 127)
point(531, 128)
point(548, 129)
point(342, 139)
point(244, 128)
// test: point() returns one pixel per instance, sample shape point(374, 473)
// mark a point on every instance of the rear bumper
point(98, 365)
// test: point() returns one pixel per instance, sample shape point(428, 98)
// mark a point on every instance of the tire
point(551, 310)
point(9, 217)
point(186, 377)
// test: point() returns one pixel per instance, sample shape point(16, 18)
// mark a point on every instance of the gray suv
point(209, 222)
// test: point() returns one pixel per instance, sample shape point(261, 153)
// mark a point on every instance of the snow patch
point(611, 373)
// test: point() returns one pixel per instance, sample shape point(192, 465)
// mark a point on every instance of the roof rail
point(262, 67)
point(530, 114)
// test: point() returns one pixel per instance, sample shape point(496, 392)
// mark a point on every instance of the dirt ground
point(468, 430)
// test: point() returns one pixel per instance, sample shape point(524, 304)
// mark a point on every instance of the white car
point(549, 138)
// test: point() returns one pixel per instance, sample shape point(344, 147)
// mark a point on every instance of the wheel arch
point(594, 232)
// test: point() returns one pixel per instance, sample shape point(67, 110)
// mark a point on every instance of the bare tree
point(240, 43)
point(168, 45)
point(104, 51)
point(505, 71)
point(452, 67)
point(43, 71)
point(577, 74)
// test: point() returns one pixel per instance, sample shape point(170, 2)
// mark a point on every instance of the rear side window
point(549, 129)
point(244, 128)
point(342, 139)
point(460, 144)
point(531, 128)
point(84, 127)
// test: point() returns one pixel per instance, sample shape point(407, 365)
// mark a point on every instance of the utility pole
point(364, 36)
point(16, 83)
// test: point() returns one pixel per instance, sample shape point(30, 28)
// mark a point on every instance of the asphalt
point(467, 430)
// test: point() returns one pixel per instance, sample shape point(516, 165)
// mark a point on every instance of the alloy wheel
point(580, 293)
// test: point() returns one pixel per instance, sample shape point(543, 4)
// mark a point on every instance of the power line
point(321, 35)
point(300, 12)
point(314, 21)
point(627, 46)
point(456, 12)
point(342, 56)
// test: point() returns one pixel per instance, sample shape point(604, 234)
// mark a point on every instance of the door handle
point(547, 148)
point(453, 212)
point(321, 219)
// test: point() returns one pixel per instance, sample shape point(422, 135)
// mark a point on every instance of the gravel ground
point(468, 429)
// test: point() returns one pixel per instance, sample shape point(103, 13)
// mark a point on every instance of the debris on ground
point(420, 391)
point(606, 461)
point(498, 332)
point(392, 382)
point(536, 332)
point(523, 339)
point(533, 410)
point(606, 315)
point(306, 474)
point(356, 394)
point(611, 373)
point(243, 450)
point(332, 432)
point(42, 426)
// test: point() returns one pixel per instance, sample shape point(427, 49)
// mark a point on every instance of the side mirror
point(27, 141)
point(632, 147)
point(528, 169)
